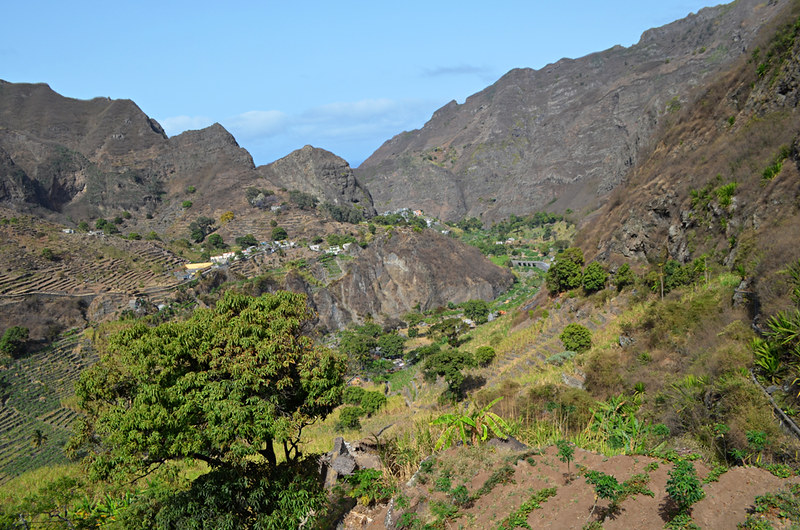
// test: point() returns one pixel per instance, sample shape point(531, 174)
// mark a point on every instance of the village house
point(223, 258)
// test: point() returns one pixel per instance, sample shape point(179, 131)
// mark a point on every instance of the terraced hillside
point(35, 415)
point(79, 264)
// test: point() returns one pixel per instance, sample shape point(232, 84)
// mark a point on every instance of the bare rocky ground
point(727, 501)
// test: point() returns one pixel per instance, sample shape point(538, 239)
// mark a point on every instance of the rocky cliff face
point(722, 179)
point(66, 151)
point(322, 174)
point(568, 133)
point(394, 274)
point(63, 157)
point(100, 128)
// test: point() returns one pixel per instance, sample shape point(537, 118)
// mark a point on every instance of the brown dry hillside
point(743, 126)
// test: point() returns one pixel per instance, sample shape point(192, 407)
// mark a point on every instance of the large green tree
point(594, 277)
point(565, 273)
point(13, 341)
point(476, 310)
point(224, 387)
point(200, 228)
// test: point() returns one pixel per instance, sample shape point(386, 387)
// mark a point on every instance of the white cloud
point(351, 129)
point(178, 124)
point(366, 108)
point(258, 124)
point(461, 69)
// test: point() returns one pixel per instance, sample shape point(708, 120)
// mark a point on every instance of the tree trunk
point(269, 453)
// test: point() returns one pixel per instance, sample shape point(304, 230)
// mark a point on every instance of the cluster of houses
point(264, 247)
point(335, 249)
point(407, 212)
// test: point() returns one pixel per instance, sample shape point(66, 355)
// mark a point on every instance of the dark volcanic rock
point(322, 174)
point(394, 274)
point(65, 157)
point(98, 128)
point(569, 132)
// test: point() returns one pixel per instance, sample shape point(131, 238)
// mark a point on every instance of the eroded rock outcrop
point(321, 174)
point(398, 272)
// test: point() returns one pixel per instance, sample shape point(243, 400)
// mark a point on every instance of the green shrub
point(186, 205)
point(200, 228)
point(725, 194)
point(48, 254)
point(442, 483)
point(461, 496)
point(215, 241)
point(560, 358)
point(14, 341)
point(576, 338)
point(246, 241)
point(594, 277)
point(305, 201)
point(683, 486)
point(565, 273)
point(484, 356)
point(369, 486)
point(372, 402)
point(352, 395)
point(476, 310)
point(279, 233)
point(391, 345)
point(350, 418)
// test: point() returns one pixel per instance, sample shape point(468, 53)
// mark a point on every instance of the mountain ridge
point(542, 137)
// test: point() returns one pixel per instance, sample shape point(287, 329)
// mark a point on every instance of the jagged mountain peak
point(322, 174)
point(563, 135)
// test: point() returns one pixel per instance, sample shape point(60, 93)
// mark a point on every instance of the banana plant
point(470, 428)
point(784, 329)
point(768, 359)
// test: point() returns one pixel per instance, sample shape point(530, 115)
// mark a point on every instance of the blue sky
point(345, 76)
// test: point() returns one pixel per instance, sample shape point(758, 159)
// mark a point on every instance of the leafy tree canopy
point(391, 345)
point(305, 201)
point(222, 387)
point(200, 228)
point(450, 328)
point(594, 277)
point(576, 338)
point(13, 341)
point(484, 355)
point(624, 277)
point(476, 310)
point(215, 241)
point(279, 233)
point(246, 241)
point(565, 274)
point(448, 364)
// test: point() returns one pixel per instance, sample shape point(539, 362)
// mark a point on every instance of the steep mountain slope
point(723, 178)
point(565, 134)
point(70, 161)
point(65, 158)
